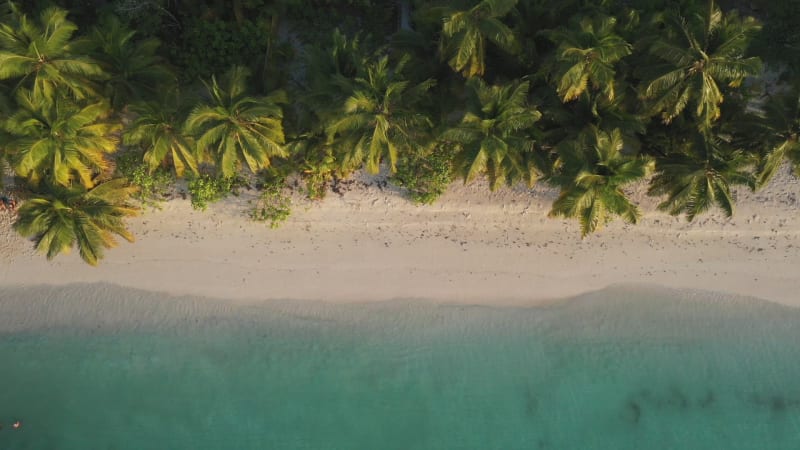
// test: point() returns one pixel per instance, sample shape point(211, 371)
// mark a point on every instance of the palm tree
point(496, 134)
point(327, 73)
point(591, 171)
point(380, 117)
point(778, 128)
point(8, 11)
point(43, 55)
point(314, 160)
point(586, 54)
point(238, 128)
point(135, 71)
point(59, 217)
point(465, 32)
point(157, 129)
point(564, 121)
point(701, 53)
point(698, 171)
point(58, 140)
point(323, 85)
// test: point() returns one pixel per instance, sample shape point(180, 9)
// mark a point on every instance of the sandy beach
point(217, 365)
point(369, 243)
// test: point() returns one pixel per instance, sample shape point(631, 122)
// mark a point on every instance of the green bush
point(272, 206)
point(317, 174)
point(316, 20)
point(778, 42)
point(213, 46)
point(153, 187)
point(426, 175)
point(206, 189)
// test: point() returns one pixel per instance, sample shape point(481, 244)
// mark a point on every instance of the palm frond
point(64, 217)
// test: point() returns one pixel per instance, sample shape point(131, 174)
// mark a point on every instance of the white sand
point(471, 246)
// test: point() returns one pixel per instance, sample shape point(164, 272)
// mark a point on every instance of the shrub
point(779, 40)
point(272, 206)
point(153, 187)
point(206, 189)
point(425, 175)
point(317, 175)
point(213, 46)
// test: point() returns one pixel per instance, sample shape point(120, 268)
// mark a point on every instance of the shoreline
point(471, 246)
point(104, 308)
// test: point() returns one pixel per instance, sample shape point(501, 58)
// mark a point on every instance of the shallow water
point(100, 367)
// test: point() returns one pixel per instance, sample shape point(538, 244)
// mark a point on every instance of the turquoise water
point(620, 369)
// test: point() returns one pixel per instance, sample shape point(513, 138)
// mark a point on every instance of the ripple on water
point(97, 366)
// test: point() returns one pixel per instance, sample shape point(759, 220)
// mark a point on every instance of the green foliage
point(775, 132)
point(314, 161)
point(147, 17)
point(496, 133)
point(273, 204)
point(58, 218)
point(207, 189)
point(603, 82)
point(328, 71)
point(157, 130)
point(135, 71)
point(426, 175)
point(563, 121)
point(586, 54)
point(318, 175)
point(465, 33)
point(698, 171)
point(380, 118)
point(209, 47)
point(316, 19)
point(42, 53)
point(591, 172)
point(701, 53)
point(235, 128)
point(59, 140)
point(153, 185)
point(779, 41)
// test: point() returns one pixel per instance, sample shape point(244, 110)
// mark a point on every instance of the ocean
point(96, 366)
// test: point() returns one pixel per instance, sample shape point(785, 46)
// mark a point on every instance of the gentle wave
point(98, 366)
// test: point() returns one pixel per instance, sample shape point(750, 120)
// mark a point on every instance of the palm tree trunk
point(272, 36)
point(238, 13)
point(405, 15)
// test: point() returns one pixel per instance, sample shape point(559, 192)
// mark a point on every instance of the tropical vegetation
point(495, 135)
point(60, 217)
point(592, 170)
point(104, 104)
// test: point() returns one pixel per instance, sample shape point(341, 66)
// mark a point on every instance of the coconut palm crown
point(58, 218)
point(585, 57)
point(465, 32)
point(135, 71)
point(158, 130)
point(42, 55)
point(778, 133)
point(238, 129)
point(591, 172)
point(325, 84)
point(701, 53)
point(698, 171)
point(59, 141)
point(381, 116)
point(496, 134)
